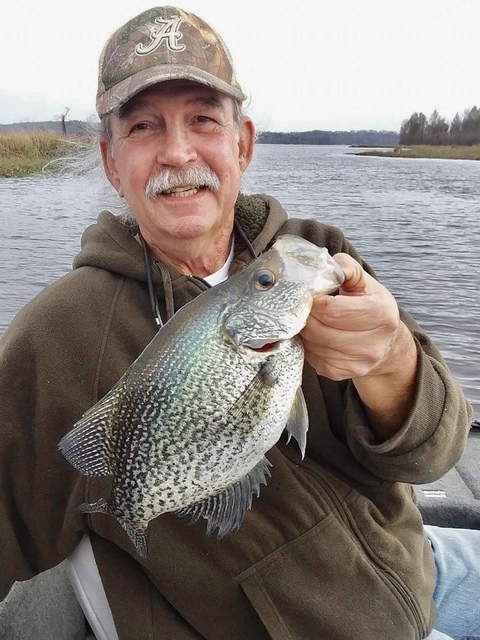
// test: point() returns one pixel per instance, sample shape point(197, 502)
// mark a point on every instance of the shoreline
point(25, 154)
point(441, 152)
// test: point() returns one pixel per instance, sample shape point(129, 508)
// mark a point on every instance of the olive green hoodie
point(334, 546)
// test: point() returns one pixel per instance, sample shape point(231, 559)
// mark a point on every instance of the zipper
point(341, 510)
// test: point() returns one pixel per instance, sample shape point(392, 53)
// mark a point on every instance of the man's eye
point(138, 127)
point(204, 120)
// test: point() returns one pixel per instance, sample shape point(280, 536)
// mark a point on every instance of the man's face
point(177, 126)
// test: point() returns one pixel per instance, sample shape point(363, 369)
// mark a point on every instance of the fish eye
point(263, 279)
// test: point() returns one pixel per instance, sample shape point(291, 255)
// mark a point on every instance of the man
point(334, 547)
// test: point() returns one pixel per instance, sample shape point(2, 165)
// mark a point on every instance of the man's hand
point(358, 335)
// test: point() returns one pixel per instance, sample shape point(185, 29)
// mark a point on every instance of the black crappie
point(187, 426)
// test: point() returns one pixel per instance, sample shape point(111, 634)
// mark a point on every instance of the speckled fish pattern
point(187, 427)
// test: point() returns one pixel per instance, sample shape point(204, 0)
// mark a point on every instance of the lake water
point(417, 222)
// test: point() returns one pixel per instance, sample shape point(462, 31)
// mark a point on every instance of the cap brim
point(119, 94)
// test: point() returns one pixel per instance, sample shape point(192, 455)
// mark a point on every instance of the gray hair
point(83, 158)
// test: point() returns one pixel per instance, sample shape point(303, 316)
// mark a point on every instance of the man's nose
point(176, 147)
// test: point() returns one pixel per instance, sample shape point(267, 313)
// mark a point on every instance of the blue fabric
point(438, 635)
point(457, 592)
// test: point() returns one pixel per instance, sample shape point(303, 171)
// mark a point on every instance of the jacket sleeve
point(41, 396)
point(432, 439)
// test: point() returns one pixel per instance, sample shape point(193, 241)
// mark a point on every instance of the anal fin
point(226, 510)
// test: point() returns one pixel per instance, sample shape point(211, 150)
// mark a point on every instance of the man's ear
point(110, 167)
point(246, 143)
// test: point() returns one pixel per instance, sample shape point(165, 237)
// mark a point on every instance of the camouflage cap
point(160, 44)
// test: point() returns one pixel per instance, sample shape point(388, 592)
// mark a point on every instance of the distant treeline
point(436, 130)
point(356, 138)
point(73, 127)
point(368, 138)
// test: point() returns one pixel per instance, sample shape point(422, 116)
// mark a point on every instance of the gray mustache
point(169, 178)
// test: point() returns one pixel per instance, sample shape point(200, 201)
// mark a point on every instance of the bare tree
point(455, 130)
point(412, 130)
point(471, 126)
point(436, 131)
point(63, 119)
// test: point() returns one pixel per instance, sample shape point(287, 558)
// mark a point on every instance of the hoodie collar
point(109, 245)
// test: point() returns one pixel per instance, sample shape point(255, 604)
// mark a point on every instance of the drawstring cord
point(151, 292)
point(166, 275)
point(168, 289)
point(238, 227)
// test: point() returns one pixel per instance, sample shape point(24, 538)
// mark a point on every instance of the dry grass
point(25, 152)
point(428, 151)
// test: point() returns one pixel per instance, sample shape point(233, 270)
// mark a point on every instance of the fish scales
point(187, 427)
point(186, 451)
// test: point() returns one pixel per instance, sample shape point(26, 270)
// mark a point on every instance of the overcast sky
point(310, 64)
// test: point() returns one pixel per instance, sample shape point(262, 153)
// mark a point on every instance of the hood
point(107, 244)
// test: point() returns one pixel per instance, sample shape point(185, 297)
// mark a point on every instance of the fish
point(187, 427)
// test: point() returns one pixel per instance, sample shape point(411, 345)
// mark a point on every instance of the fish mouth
point(260, 345)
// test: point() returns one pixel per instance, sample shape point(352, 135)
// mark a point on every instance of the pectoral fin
point(255, 396)
point(297, 425)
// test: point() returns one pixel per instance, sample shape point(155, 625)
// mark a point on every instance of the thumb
point(356, 279)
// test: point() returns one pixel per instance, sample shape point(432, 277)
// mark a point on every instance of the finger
point(331, 326)
point(350, 312)
point(357, 280)
point(334, 363)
